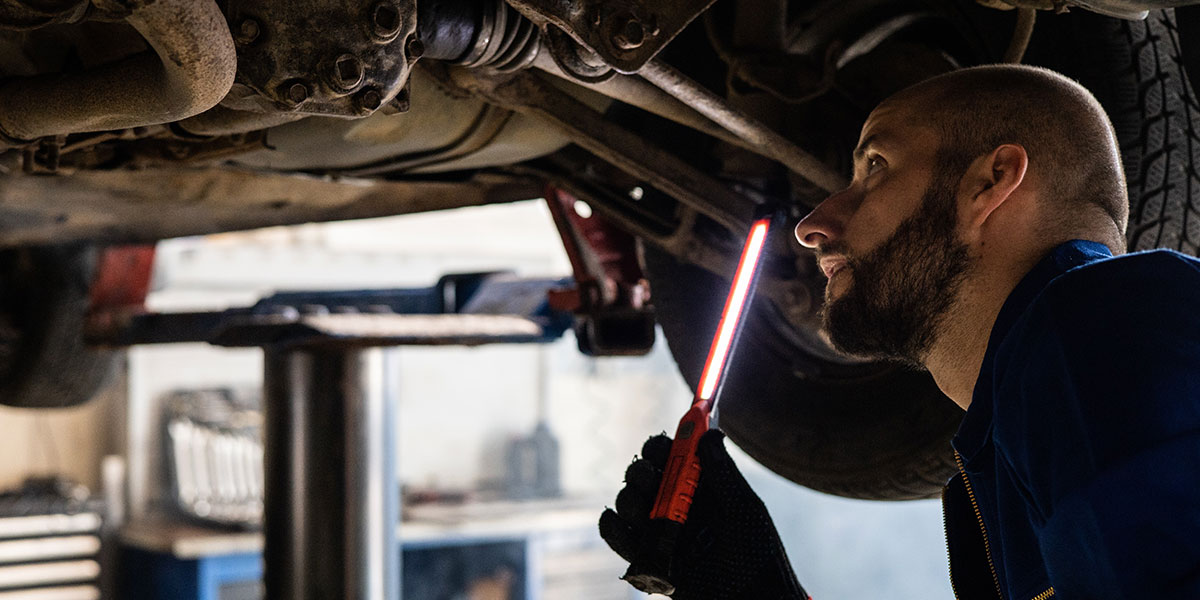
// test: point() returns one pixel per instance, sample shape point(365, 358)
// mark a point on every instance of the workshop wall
point(460, 409)
point(68, 442)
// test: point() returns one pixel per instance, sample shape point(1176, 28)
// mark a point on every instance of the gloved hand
point(727, 549)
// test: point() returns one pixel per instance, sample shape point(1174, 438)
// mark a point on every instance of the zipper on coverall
point(1049, 593)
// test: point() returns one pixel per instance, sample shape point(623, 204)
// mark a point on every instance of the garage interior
point(479, 520)
point(367, 366)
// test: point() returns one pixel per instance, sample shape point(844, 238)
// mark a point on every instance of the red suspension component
point(120, 285)
point(611, 295)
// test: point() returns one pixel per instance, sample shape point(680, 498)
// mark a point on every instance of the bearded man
point(982, 238)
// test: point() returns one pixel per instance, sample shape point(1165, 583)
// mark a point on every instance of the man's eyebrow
point(861, 150)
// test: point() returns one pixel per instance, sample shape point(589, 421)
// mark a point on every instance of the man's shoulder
point(1147, 267)
point(1124, 286)
point(1136, 311)
point(1101, 360)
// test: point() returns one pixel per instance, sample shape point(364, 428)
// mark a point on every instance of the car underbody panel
point(152, 204)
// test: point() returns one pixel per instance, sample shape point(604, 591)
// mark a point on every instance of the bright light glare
point(583, 209)
point(733, 310)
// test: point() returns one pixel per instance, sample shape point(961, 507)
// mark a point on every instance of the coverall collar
point(976, 426)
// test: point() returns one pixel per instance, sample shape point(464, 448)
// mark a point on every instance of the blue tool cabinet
point(149, 575)
point(430, 570)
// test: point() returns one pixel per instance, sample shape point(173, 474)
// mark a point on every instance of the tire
point(43, 303)
point(1153, 107)
point(882, 432)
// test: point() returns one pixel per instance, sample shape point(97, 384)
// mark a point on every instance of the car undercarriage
point(130, 121)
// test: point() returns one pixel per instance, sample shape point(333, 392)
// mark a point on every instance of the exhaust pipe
point(189, 69)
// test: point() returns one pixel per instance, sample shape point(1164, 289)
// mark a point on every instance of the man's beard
point(900, 292)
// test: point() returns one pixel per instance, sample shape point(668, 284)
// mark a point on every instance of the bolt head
point(346, 73)
point(630, 34)
point(247, 32)
point(386, 20)
point(369, 99)
point(294, 92)
point(298, 92)
point(415, 48)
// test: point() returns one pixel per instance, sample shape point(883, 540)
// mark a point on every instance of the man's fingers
point(634, 505)
point(643, 475)
point(620, 527)
point(711, 451)
point(718, 469)
point(656, 450)
point(715, 459)
point(619, 534)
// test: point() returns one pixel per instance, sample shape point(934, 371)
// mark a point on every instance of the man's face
point(888, 244)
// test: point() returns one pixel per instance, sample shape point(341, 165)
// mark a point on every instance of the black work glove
point(728, 548)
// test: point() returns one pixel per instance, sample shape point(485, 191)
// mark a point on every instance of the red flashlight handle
point(682, 472)
point(650, 571)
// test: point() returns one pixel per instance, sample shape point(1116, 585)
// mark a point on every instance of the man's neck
point(957, 354)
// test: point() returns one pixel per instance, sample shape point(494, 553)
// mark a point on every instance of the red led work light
point(732, 314)
point(683, 468)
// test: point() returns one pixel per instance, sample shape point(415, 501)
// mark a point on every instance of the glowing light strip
point(733, 310)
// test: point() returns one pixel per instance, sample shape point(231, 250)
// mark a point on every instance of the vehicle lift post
point(331, 497)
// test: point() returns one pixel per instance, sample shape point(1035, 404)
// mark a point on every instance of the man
point(977, 240)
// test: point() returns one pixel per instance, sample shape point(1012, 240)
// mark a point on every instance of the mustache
point(840, 249)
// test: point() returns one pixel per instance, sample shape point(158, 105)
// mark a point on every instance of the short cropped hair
point(1067, 135)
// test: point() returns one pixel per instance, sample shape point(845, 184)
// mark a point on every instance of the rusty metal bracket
point(760, 137)
point(343, 58)
point(529, 94)
point(624, 34)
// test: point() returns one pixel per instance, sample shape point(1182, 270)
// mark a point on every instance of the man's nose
point(825, 222)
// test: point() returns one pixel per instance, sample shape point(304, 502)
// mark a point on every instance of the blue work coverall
point(1079, 457)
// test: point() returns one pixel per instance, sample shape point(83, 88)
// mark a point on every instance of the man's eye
point(874, 163)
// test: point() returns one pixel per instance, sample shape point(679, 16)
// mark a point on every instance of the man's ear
point(991, 180)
